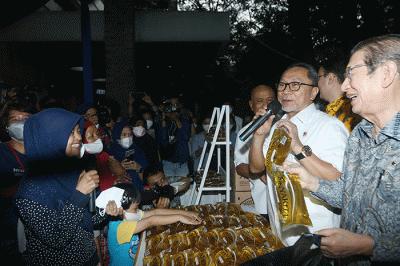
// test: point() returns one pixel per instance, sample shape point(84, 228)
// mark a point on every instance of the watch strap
point(300, 156)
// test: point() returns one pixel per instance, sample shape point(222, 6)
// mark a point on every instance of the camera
point(171, 109)
point(164, 191)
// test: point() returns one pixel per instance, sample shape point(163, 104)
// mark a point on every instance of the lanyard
point(16, 156)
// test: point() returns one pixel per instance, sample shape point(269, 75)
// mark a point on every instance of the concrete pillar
point(120, 51)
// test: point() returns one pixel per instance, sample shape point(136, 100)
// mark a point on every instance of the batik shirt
point(341, 109)
point(369, 190)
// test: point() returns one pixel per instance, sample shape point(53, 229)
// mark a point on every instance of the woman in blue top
point(52, 199)
point(132, 158)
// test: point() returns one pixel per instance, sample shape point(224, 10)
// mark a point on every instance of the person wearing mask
point(173, 134)
point(260, 97)
point(318, 143)
point(197, 144)
point(13, 167)
point(368, 191)
point(331, 77)
point(53, 198)
point(124, 233)
point(110, 172)
point(144, 141)
point(89, 112)
point(131, 157)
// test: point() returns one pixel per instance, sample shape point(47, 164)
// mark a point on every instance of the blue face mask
point(16, 131)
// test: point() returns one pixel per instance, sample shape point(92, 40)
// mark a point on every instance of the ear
point(314, 93)
point(389, 73)
point(331, 78)
point(251, 105)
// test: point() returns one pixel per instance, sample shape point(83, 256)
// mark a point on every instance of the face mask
point(139, 131)
point(126, 142)
point(94, 148)
point(16, 131)
point(149, 123)
point(206, 127)
point(133, 216)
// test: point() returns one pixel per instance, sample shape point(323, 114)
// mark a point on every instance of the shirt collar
point(390, 130)
point(304, 115)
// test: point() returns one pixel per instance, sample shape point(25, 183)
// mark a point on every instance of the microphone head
point(274, 106)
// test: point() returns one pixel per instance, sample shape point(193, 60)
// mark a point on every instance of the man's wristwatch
point(306, 152)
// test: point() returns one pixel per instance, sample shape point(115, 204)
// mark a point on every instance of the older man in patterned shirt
point(368, 191)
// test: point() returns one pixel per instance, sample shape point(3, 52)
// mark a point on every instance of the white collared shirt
point(327, 137)
point(257, 187)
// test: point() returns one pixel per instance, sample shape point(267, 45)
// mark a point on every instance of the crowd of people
point(345, 154)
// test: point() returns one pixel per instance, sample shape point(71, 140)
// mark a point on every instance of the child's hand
point(194, 215)
point(111, 209)
point(189, 220)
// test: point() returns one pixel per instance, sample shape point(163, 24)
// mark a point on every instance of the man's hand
point(296, 145)
point(266, 127)
point(162, 203)
point(308, 181)
point(340, 243)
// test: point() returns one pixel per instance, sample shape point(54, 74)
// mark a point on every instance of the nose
point(345, 85)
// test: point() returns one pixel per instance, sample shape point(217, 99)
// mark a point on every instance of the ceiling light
point(77, 68)
point(100, 79)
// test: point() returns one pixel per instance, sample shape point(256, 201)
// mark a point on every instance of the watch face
point(307, 150)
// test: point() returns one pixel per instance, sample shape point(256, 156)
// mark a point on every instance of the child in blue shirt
point(123, 239)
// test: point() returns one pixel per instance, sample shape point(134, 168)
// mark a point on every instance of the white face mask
point(149, 123)
point(139, 131)
point(133, 216)
point(126, 142)
point(16, 131)
point(94, 148)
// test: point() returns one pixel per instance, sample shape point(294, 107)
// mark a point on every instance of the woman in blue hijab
point(132, 158)
point(52, 199)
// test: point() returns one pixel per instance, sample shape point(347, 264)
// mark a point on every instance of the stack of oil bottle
point(227, 236)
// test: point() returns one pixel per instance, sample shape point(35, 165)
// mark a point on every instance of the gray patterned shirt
point(368, 191)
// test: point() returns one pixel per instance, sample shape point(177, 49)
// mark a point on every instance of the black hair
point(151, 171)
point(17, 104)
point(312, 73)
point(336, 65)
point(131, 195)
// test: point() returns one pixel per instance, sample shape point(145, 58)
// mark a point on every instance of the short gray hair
point(380, 49)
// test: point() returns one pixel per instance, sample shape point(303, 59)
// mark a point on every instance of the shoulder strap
point(16, 156)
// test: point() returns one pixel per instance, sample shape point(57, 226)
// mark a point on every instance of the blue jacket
point(58, 226)
point(174, 141)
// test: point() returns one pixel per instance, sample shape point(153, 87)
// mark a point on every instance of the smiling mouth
point(76, 145)
point(352, 97)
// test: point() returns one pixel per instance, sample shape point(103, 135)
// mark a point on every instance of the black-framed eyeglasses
point(348, 73)
point(293, 86)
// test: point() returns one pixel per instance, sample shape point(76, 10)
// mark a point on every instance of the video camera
point(164, 191)
point(104, 115)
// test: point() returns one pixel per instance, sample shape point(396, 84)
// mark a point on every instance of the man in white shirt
point(261, 96)
point(318, 143)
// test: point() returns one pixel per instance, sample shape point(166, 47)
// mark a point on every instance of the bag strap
point(16, 156)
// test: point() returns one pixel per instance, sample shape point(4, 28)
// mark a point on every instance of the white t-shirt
point(327, 137)
point(257, 187)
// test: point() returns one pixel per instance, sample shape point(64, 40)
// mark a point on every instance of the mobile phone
point(129, 155)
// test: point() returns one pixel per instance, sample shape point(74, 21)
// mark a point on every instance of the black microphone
point(91, 164)
point(273, 108)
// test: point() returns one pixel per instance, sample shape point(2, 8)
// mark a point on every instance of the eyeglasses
point(293, 86)
point(348, 73)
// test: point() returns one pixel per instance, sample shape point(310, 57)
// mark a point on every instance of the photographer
point(173, 135)
point(160, 192)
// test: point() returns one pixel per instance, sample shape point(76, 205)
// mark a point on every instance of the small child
point(123, 239)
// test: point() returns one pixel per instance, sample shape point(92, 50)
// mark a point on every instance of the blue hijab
point(52, 175)
point(119, 153)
